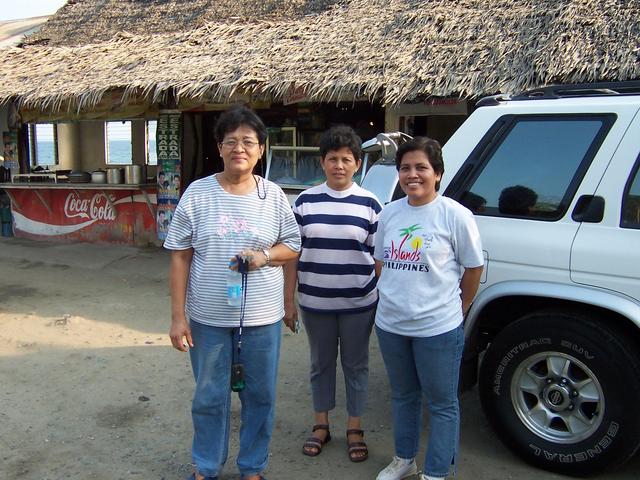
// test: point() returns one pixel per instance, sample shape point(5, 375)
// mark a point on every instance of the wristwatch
point(267, 256)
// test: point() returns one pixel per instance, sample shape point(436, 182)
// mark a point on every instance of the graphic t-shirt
point(424, 249)
point(218, 225)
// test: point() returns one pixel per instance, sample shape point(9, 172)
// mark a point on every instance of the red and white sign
point(98, 208)
point(102, 216)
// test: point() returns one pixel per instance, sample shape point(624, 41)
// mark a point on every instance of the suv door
point(520, 182)
point(606, 253)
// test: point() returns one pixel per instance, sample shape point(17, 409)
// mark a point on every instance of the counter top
point(77, 186)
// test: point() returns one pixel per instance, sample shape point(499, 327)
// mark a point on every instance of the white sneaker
point(398, 468)
point(427, 477)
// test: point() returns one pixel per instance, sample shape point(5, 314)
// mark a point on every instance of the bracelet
point(267, 256)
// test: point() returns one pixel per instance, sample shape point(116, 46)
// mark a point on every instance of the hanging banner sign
point(168, 141)
point(294, 95)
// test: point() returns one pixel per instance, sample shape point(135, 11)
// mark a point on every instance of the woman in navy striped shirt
point(336, 285)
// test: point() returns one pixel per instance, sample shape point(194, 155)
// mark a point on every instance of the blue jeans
point(429, 366)
point(211, 358)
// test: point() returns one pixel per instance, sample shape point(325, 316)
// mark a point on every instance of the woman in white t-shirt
point(429, 261)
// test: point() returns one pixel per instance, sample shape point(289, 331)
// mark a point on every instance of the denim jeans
point(429, 366)
point(211, 358)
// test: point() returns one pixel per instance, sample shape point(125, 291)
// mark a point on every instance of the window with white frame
point(118, 143)
point(43, 144)
point(152, 154)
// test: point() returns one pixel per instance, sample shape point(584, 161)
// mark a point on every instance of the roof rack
point(492, 100)
point(596, 89)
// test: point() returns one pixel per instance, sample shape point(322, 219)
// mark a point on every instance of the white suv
point(553, 178)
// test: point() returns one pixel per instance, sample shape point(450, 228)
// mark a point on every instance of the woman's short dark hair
point(430, 147)
point(517, 200)
point(238, 115)
point(338, 137)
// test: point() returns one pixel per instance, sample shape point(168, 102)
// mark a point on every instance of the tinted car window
point(535, 167)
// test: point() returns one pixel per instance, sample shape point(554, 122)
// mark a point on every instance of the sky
point(13, 9)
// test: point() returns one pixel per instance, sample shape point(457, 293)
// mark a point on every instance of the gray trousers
point(350, 333)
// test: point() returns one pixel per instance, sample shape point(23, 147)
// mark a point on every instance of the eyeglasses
point(246, 144)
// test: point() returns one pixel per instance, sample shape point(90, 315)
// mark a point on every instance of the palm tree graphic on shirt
point(408, 233)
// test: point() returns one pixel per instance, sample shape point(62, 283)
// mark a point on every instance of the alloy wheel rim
point(557, 397)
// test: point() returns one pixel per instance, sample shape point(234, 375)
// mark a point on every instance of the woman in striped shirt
point(232, 212)
point(336, 285)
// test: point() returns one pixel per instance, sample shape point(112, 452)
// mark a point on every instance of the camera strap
point(243, 268)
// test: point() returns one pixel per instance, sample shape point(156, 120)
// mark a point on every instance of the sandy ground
point(91, 389)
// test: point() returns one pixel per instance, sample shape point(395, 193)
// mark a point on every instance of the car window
point(631, 200)
point(535, 166)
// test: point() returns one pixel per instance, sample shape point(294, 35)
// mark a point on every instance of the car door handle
point(589, 208)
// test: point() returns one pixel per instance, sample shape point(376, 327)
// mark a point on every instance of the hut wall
point(393, 113)
point(69, 140)
point(139, 147)
point(4, 112)
point(92, 146)
point(138, 142)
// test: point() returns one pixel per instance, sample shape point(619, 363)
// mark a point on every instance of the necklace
point(242, 187)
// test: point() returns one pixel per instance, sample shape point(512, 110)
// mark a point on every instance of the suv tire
point(561, 390)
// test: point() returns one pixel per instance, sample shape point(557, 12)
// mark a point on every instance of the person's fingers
point(178, 336)
point(290, 324)
point(176, 341)
point(290, 319)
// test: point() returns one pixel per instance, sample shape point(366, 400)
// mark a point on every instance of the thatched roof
point(101, 19)
point(385, 50)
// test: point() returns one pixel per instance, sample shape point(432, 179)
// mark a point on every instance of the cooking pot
point(133, 174)
point(77, 176)
point(114, 175)
point(98, 176)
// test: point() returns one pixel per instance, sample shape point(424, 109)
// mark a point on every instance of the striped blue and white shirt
point(336, 266)
point(218, 225)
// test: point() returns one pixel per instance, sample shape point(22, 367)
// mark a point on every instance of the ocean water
point(45, 153)
point(119, 152)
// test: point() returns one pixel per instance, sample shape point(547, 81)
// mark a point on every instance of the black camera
point(237, 377)
point(243, 263)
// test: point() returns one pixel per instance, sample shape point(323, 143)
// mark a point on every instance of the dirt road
point(91, 389)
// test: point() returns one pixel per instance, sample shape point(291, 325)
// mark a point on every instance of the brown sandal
point(358, 451)
point(315, 443)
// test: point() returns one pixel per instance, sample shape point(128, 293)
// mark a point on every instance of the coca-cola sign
point(120, 215)
point(98, 207)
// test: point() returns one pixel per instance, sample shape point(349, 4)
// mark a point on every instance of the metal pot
point(79, 177)
point(114, 176)
point(133, 174)
point(99, 176)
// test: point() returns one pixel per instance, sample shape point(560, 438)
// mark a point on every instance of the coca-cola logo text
point(96, 208)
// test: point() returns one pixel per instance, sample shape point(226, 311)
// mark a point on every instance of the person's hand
point(179, 332)
point(257, 259)
point(290, 315)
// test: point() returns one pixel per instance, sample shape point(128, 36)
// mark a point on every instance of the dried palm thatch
point(382, 50)
point(100, 19)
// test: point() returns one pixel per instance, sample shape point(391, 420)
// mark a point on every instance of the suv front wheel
point(561, 390)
